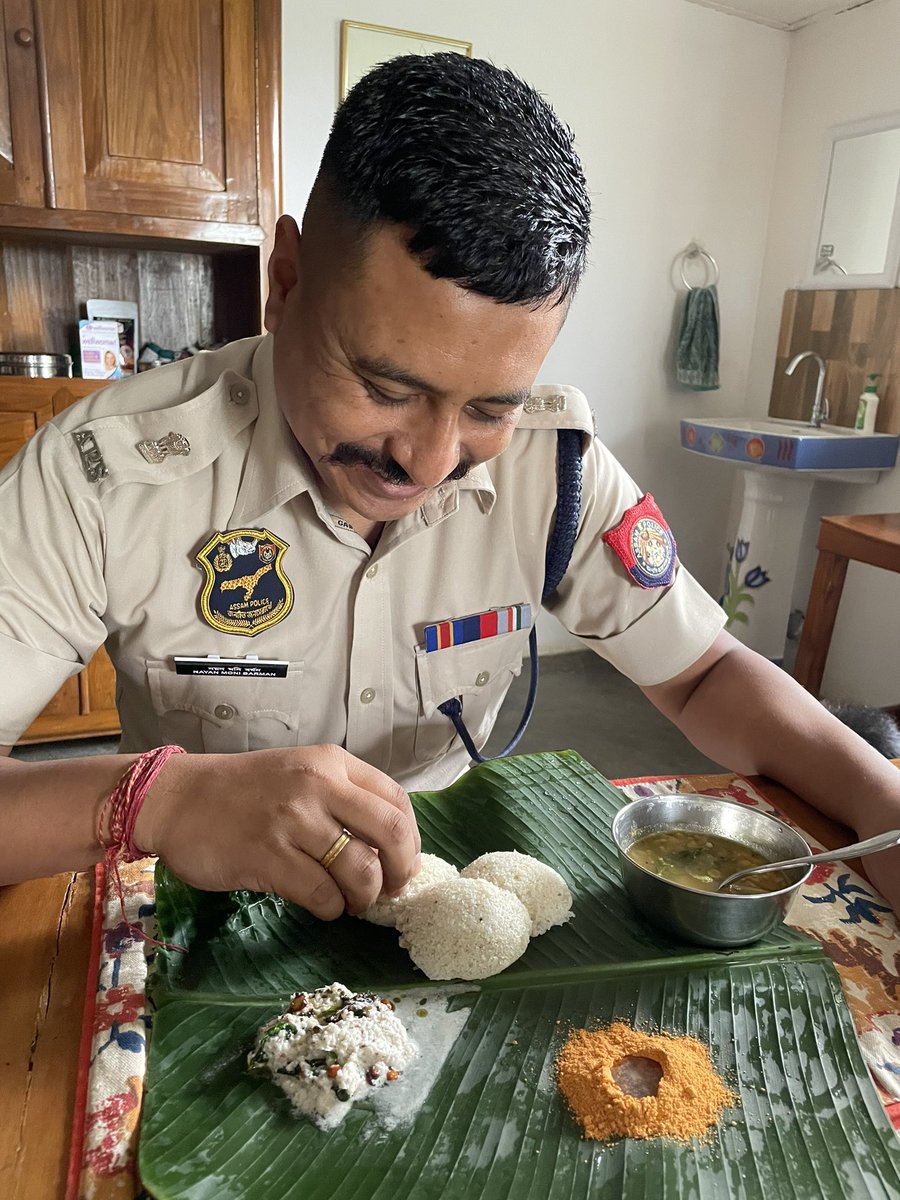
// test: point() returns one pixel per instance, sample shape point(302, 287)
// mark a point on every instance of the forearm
point(49, 813)
point(753, 718)
point(262, 820)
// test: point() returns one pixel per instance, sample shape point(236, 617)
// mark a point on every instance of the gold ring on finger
point(334, 849)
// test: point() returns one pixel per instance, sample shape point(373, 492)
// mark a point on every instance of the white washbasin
point(780, 462)
point(830, 451)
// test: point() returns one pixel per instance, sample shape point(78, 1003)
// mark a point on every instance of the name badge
point(214, 664)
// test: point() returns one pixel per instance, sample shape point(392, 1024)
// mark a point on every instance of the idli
point(464, 929)
point(386, 909)
point(542, 890)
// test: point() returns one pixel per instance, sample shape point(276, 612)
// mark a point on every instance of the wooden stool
point(872, 538)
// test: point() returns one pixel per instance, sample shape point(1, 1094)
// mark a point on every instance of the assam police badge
point(246, 589)
point(644, 543)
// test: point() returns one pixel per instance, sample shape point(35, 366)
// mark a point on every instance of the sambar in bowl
point(674, 850)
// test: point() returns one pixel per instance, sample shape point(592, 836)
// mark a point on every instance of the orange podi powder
point(689, 1097)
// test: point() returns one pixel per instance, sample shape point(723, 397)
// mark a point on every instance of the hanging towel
point(697, 359)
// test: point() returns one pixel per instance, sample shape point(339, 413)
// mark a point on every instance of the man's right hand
point(262, 820)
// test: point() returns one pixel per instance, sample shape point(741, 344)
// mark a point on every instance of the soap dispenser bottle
point(867, 408)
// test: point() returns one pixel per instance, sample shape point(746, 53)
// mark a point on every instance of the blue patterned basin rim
point(795, 447)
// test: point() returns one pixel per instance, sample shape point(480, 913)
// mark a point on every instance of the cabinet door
point(21, 156)
point(21, 411)
point(27, 403)
point(152, 106)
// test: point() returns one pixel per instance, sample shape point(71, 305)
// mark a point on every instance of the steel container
point(39, 366)
point(707, 918)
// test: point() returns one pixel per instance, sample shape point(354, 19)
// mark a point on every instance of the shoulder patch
point(558, 406)
point(645, 545)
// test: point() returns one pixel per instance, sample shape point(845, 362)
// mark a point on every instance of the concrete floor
point(583, 704)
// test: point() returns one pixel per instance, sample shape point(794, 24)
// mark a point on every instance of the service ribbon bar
point(478, 627)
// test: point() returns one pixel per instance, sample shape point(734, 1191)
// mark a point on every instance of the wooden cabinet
point(155, 117)
point(140, 161)
point(85, 706)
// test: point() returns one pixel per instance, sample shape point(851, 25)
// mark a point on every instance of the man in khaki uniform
point(351, 642)
point(277, 541)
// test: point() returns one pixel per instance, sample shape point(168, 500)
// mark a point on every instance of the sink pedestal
point(778, 464)
point(762, 547)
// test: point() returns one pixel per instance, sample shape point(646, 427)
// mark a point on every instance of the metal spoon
point(883, 841)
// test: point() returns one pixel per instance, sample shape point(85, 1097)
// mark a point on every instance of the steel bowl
point(707, 918)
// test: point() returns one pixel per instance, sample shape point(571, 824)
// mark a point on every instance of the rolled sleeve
point(52, 588)
point(30, 680)
point(667, 638)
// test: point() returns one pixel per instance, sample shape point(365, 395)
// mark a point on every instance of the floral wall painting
point(363, 46)
point(738, 579)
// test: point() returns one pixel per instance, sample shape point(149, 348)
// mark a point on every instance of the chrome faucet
point(820, 404)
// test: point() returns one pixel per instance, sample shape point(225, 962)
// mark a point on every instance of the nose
point(429, 450)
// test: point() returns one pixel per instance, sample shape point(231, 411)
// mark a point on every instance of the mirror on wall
point(858, 242)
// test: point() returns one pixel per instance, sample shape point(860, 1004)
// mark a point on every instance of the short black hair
point(477, 165)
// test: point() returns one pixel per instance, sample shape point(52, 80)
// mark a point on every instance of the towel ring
point(694, 252)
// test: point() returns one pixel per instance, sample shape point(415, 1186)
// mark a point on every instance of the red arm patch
point(644, 543)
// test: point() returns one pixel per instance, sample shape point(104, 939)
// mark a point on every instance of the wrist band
point(115, 827)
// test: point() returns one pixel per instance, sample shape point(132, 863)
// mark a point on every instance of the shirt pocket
point(479, 674)
point(225, 714)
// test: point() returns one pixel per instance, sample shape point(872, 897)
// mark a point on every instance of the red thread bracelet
point(119, 816)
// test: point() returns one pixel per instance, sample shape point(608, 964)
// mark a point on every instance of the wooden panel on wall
point(38, 315)
point(856, 331)
point(182, 297)
point(98, 272)
point(176, 293)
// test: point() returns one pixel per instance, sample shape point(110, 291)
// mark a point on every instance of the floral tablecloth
point(857, 929)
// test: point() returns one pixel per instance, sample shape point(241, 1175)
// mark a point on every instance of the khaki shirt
point(114, 560)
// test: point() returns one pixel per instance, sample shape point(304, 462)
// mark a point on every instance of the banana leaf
point(809, 1123)
point(556, 807)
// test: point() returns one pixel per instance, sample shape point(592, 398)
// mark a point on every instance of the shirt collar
point(278, 469)
point(445, 499)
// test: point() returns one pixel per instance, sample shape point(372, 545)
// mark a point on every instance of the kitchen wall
point(676, 110)
point(839, 70)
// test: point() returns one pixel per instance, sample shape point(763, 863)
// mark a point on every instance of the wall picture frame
point(363, 46)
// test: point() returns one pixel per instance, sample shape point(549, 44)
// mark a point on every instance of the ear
point(282, 270)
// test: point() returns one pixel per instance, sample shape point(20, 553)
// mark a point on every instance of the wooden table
point(45, 928)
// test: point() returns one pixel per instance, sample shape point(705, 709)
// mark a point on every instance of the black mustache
point(346, 454)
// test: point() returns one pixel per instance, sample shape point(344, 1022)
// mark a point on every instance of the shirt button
point(481, 678)
point(224, 712)
point(367, 695)
point(372, 571)
point(239, 394)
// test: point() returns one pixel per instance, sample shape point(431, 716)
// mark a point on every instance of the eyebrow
point(384, 368)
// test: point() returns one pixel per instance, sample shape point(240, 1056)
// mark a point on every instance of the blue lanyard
point(556, 563)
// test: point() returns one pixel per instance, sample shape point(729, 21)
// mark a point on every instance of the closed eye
point(491, 418)
point(485, 416)
point(384, 398)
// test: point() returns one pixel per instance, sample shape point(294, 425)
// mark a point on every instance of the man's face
point(393, 381)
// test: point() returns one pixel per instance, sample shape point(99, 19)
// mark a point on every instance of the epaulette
point(558, 406)
point(157, 445)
